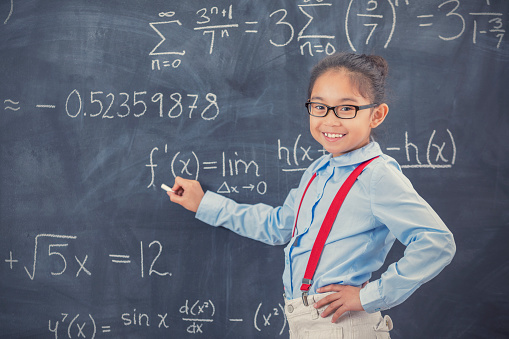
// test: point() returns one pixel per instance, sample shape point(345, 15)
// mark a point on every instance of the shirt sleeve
point(429, 243)
point(271, 225)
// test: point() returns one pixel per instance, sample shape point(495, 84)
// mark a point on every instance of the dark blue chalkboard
point(103, 101)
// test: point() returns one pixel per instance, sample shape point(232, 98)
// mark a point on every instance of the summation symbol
point(317, 48)
point(156, 51)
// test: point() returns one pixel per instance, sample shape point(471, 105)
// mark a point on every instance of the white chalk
point(166, 188)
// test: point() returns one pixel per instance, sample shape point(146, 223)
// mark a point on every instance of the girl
point(331, 297)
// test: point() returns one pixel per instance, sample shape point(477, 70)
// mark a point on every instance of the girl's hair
point(367, 72)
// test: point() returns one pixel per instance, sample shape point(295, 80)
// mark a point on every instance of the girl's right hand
point(187, 193)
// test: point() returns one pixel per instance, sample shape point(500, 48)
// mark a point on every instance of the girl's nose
point(331, 119)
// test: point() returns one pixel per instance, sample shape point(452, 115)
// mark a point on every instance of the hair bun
point(380, 63)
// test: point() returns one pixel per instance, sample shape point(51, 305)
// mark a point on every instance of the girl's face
point(339, 136)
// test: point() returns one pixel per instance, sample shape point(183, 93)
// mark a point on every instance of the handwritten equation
point(439, 152)
point(364, 22)
point(297, 157)
point(196, 315)
point(51, 248)
point(189, 166)
point(101, 105)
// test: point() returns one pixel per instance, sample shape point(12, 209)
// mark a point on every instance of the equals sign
point(251, 30)
point(106, 329)
point(423, 17)
point(120, 259)
point(208, 165)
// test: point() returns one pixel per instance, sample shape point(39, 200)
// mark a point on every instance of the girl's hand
point(187, 193)
point(346, 299)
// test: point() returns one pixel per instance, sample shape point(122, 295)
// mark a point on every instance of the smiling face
point(340, 136)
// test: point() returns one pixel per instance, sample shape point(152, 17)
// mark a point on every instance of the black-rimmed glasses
point(320, 110)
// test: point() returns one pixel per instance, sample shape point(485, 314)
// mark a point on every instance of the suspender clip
point(305, 298)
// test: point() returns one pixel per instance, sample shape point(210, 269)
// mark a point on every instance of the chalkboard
point(103, 101)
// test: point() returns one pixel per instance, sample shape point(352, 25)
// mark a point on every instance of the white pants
point(306, 322)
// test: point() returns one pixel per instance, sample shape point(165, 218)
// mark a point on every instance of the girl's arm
point(260, 222)
point(429, 244)
point(271, 225)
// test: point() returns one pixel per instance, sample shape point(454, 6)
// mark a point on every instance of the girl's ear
point(379, 115)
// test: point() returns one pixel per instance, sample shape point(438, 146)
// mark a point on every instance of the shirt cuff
point(209, 208)
point(371, 298)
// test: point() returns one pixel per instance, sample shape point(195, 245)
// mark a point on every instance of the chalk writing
point(440, 153)
point(196, 316)
point(377, 20)
point(58, 258)
point(100, 105)
point(10, 12)
point(371, 16)
point(77, 327)
point(10, 102)
point(189, 165)
point(274, 316)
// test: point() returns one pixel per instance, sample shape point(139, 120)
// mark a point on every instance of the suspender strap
point(326, 227)
point(303, 194)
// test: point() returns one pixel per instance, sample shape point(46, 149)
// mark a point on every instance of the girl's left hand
point(346, 299)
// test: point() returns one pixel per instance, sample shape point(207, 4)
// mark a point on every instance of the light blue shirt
point(381, 206)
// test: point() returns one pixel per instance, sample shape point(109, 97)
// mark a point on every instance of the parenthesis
point(256, 316)
point(453, 147)
point(346, 26)
point(192, 307)
point(213, 307)
point(70, 325)
point(197, 165)
point(429, 148)
point(172, 163)
point(393, 23)
point(93, 322)
point(284, 315)
point(295, 150)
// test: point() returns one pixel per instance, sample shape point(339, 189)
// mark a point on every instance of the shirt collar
point(355, 157)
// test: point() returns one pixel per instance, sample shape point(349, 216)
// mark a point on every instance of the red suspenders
point(327, 223)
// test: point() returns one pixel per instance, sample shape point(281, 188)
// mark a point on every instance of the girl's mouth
point(333, 136)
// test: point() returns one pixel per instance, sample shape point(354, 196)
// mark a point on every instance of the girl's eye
point(347, 108)
point(318, 107)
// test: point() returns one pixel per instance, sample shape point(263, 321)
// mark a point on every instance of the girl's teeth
point(333, 135)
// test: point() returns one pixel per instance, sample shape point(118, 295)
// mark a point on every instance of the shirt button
point(289, 308)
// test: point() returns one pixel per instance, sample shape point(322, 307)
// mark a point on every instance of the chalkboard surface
point(103, 101)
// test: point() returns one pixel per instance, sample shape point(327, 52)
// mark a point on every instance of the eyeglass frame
point(333, 108)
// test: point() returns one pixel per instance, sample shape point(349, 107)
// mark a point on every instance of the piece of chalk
point(166, 188)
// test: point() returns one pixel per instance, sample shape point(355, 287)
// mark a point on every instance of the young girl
point(332, 297)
